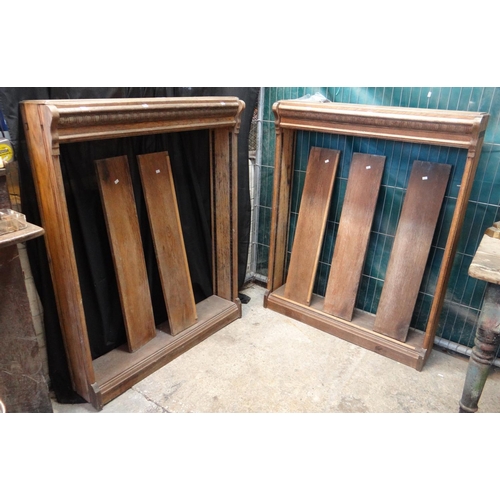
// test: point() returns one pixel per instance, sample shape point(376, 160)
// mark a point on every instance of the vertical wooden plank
point(233, 207)
point(355, 224)
point(282, 183)
point(412, 243)
point(224, 213)
point(46, 168)
point(311, 223)
point(128, 256)
point(452, 240)
point(161, 202)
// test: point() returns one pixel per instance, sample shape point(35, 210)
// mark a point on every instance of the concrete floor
point(266, 362)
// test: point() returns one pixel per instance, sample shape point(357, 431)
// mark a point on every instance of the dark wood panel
point(126, 245)
point(164, 219)
point(311, 222)
point(351, 244)
point(412, 243)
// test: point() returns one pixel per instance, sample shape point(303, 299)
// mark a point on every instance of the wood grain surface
point(126, 247)
point(485, 265)
point(412, 243)
point(311, 223)
point(351, 245)
point(161, 202)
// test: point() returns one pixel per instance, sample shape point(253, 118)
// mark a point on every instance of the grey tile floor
point(268, 363)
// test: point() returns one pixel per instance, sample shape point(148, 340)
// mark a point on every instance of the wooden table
point(485, 266)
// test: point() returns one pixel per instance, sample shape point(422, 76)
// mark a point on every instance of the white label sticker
point(327, 161)
point(368, 167)
point(158, 171)
point(117, 181)
point(424, 178)
point(429, 94)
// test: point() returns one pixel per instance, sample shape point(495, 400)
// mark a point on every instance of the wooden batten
point(456, 129)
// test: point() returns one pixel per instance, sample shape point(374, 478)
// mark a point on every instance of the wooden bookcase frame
point(50, 123)
point(425, 126)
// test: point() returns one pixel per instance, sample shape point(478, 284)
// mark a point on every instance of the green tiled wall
point(464, 295)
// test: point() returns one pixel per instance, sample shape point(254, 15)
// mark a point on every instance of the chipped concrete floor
point(268, 363)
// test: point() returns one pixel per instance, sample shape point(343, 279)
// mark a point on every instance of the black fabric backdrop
point(189, 157)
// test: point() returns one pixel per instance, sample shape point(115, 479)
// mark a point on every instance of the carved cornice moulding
point(82, 120)
point(457, 129)
point(441, 127)
point(51, 122)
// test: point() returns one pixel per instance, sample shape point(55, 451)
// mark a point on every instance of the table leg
point(486, 343)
